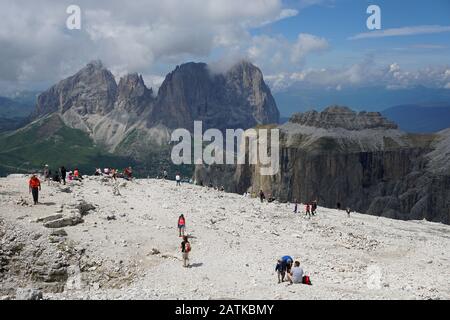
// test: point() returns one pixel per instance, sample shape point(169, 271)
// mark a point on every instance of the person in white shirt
point(178, 179)
point(296, 273)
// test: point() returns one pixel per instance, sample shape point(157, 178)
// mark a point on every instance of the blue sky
point(338, 20)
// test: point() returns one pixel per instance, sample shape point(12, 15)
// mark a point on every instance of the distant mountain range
point(420, 118)
point(379, 98)
point(128, 120)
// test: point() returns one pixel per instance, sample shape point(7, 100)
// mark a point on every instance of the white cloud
point(404, 31)
point(363, 74)
point(134, 36)
point(278, 54)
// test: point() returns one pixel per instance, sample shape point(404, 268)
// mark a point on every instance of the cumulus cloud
point(277, 53)
point(362, 74)
point(127, 36)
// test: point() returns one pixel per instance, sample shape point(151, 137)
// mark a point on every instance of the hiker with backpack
point(185, 249)
point(35, 187)
point(285, 267)
point(181, 225)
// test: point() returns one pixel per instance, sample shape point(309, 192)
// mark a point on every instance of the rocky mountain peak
point(238, 98)
point(133, 94)
point(343, 117)
point(92, 90)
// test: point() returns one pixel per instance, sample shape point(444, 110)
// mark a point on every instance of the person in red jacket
point(35, 187)
point(181, 225)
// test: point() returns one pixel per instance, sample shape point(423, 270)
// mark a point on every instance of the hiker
point(181, 225)
point(98, 172)
point(106, 171)
point(280, 271)
point(296, 274)
point(295, 206)
point(261, 196)
point(77, 175)
point(348, 212)
point(314, 207)
point(178, 179)
point(185, 249)
point(114, 174)
point(128, 174)
point(165, 175)
point(286, 264)
point(308, 211)
point(63, 173)
point(34, 187)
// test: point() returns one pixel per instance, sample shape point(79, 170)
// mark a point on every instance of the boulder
point(50, 218)
point(64, 222)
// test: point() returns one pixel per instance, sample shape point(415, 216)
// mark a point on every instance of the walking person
point(35, 187)
point(308, 210)
point(185, 249)
point(181, 225)
point(261, 196)
point(295, 206)
point(314, 207)
point(178, 179)
point(62, 174)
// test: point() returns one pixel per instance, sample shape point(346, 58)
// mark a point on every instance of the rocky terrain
point(360, 160)
point(101, 239)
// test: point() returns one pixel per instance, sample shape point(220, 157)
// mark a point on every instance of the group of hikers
point(286, 268)
point(262, 197)
point(60, 175)
point(310, 208)
point(185, 244)
point(112, 173)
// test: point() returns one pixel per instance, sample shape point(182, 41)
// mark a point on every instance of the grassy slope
point(50, 141)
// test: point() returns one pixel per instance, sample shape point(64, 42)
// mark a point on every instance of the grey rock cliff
point(238, 98)
point(366, 165)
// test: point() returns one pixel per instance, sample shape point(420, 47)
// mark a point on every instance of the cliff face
point(365, 164)
point(238, 98)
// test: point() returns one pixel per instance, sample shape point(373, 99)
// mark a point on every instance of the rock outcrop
point(358, 160)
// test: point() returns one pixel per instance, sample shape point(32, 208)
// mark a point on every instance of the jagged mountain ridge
point(91, 101)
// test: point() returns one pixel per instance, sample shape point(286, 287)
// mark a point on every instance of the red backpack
point(306, 280)
point(187, 247)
